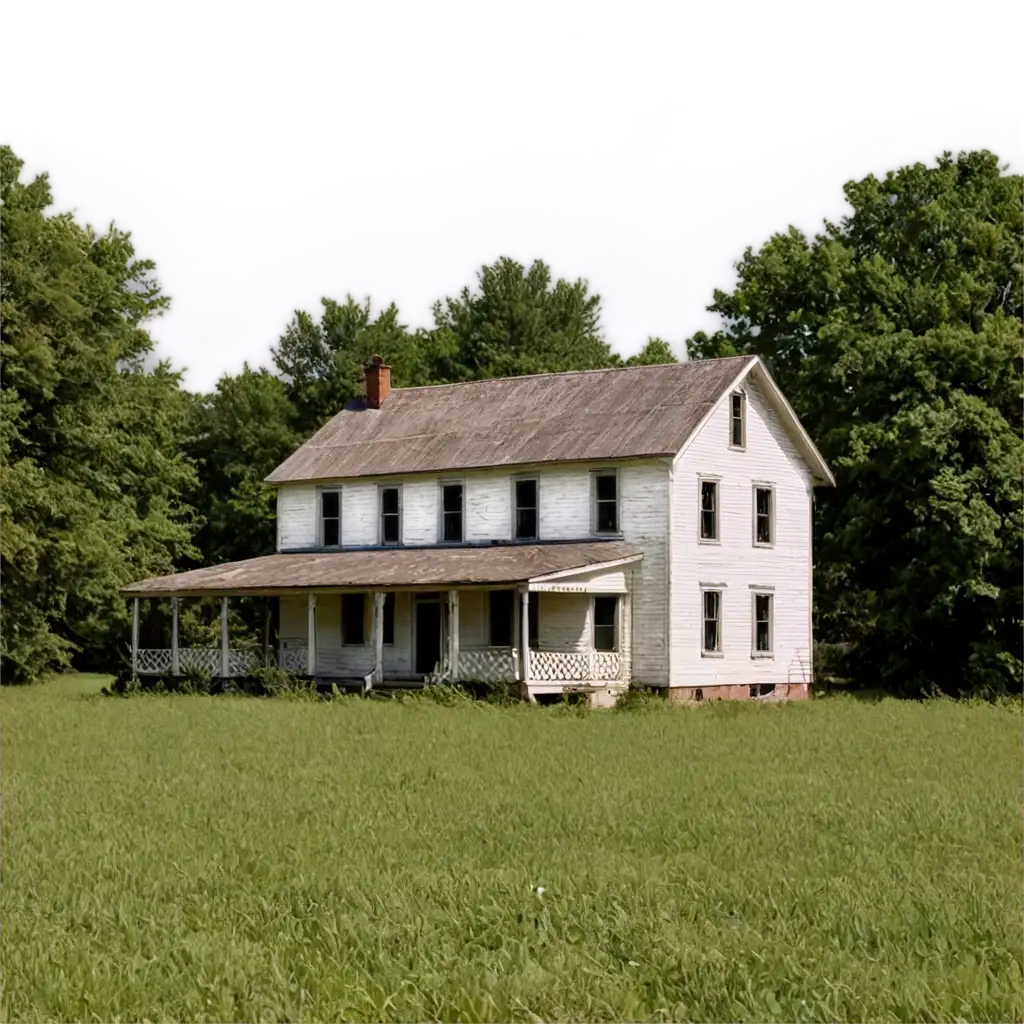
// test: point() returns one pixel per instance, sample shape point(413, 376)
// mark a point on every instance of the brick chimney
point(378, 382)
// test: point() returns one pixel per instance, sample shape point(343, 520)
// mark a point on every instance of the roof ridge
point(571, 373)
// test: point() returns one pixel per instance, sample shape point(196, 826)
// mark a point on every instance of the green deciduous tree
point(91, 468)
point(896, 334)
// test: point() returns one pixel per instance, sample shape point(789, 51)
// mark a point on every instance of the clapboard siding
point(770, 457)
point(488, 507)
point(563, 622)
point(296, 517)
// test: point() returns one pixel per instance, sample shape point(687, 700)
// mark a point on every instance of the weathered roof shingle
point(588, 415)
point(389, 567)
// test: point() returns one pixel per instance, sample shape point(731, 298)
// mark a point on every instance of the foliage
point(638, 698)
point(373, 860)
point(91, 470)
point(896, 335)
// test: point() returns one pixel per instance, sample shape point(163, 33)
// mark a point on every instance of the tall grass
point(223, 859)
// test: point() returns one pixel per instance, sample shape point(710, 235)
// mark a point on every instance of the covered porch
point(545, 617)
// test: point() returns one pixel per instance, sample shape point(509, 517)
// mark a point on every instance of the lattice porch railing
point(575, 666)
point(489, 664)
point(157, 661)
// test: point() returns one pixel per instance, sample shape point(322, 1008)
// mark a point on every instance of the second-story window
point(764, 516)
point(330, 518)
point(390, 515)
point(709, 510)
point(526, 509)
point(606, 502)
point(451, 513)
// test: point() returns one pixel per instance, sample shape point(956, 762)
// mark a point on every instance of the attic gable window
point(738, 420)
point(606, 502)
point(330, 517)
point(390, 515)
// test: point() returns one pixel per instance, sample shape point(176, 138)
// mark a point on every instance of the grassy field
point(196, 858)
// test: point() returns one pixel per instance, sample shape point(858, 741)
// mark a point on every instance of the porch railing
point(575, 666)
point(293, 658)
point(154, 661)
point(489, 664)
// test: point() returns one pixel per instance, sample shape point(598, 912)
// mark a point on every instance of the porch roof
point(388, 567)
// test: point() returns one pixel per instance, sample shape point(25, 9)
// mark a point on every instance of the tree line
point(896, 334)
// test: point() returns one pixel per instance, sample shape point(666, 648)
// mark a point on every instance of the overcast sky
point(268, 155)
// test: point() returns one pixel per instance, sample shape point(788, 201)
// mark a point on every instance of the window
point(533, 621)
point(353, 618)
point(606, 503)
point(763, 626)
point(711, 639)
point(390, 515)
point(389, 617)
point(526, 509)
point(698, 694)
point(604, 623)
point(709, 510)
point(738, 420)
point(502, 602)
point(764, 516)
point(762, 689)
point(330, 518)
point(451, 513)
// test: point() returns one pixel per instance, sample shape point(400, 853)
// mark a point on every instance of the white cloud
point(653, 220)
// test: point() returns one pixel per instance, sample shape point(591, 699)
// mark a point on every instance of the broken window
point(451, 513)
point(606, 503)
point(762, 689)
point(330, 518)
point(526, 509)
point(390, 515)
point(711, 642)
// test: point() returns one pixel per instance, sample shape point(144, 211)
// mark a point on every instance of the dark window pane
point(390, 529)
point(453, 526)
point(607, 518)
point(526, 524)
point(763, 497)
point(762, 626)
point(502, 602)
point(329, 504)
point(389, 618)
point(606, 487)
point(710, 635)
point(604, 638)
point(353, 614)
point(533, 621)
point(452, 497)
point(526, 494)
point(330, 533)
point(737, 420)
point(389, 500)
point(712, 627)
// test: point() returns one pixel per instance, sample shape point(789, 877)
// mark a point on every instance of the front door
point(428, 633)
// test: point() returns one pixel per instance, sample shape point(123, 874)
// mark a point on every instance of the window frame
point(742, 396)
point(381, 542)
point(755, 593)
point(702, 479)
point(441, 485)
point(713, 588)
point(320, 492)
point(614, 623)
point(350, 594)
point(516, 481)
point(762, 485)
point(594, 475)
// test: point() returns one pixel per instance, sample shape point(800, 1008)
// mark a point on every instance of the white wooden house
point(572, 530)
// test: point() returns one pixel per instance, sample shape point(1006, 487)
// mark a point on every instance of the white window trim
point(743, 419)
point(441, 485)
point(707, 478)
point(381, 488)
point(615, 623)
point(320, 491)
point(755, 593)
point(718, 588)
point(762, 485)
point(518, 479)
point(594, 474)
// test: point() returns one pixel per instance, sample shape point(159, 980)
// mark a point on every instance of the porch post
point(378, 636)
point(453, 636)
point(311, 636)
point(135, 638)
point(524, 637)
point(625, 627)
point(223, 638)
point(175, 660)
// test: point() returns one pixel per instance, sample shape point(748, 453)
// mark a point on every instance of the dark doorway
point(428, 633)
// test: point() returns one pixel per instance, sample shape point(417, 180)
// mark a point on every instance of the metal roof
point(580, 416)
point(388, 567)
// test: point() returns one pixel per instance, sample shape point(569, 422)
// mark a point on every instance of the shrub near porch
point(223, 859)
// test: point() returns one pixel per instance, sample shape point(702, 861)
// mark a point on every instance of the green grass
point(191, 858)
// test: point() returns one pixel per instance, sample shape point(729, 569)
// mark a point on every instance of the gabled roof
point(635, 412)
point(388, 567)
